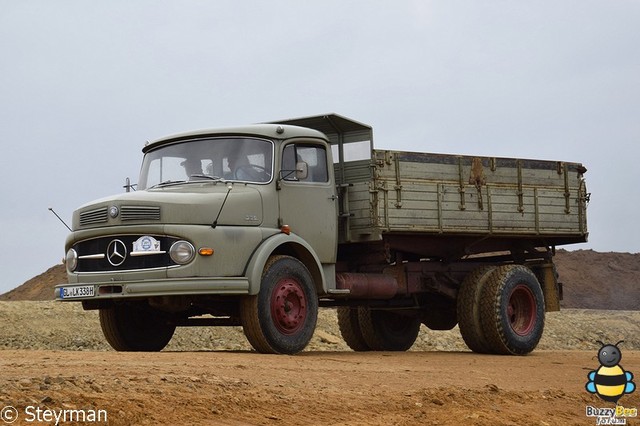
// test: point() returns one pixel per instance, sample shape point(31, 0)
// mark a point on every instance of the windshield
point(228, 159)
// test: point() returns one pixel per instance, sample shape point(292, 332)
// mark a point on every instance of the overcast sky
point(83, 84)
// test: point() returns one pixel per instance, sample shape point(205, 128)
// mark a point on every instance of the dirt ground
point(54, 362)
point(316, 388)
point(53, 357)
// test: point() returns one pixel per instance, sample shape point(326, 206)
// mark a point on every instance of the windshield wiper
point(181, 182)
point(167, 183)
point(214, 178)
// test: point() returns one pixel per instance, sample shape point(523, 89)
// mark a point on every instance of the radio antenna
point(59, 218)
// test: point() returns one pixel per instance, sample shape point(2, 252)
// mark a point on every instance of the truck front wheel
point(387, 330)
point(512, 310)
point(135, 327)
point(282, 317)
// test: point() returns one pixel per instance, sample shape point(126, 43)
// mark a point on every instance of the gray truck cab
point(211, 209)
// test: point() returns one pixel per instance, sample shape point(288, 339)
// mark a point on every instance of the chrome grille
point(139, 213)
point(91, 217)
point(93, 254)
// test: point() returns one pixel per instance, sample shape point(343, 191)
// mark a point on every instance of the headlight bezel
point(71, 260)
point(182, 252)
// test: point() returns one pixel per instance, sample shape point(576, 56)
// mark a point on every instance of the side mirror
point(302, 170)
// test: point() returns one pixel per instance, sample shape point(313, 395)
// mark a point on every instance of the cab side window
point(313, 155)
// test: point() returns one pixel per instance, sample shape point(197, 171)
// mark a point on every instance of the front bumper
point(154, 288)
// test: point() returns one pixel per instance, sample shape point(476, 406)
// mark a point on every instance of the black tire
point(135, 327)
point(512, 310)
point(282, 317)
point(468, 309)
point(387, 330)
point(350, 329)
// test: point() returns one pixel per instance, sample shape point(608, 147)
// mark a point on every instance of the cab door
point(307, 197)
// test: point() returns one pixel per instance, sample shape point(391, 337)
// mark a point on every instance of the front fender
point(283, 244)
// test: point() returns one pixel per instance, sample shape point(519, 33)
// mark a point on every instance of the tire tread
point(468, 309)
point(350, 330)
point(491, 311)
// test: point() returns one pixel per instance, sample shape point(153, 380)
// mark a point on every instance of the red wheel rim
point(521, 310)
point(288, 306)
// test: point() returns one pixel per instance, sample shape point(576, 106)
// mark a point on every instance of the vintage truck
point(261, 225)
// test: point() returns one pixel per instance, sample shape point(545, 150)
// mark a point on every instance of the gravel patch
point(65, 326)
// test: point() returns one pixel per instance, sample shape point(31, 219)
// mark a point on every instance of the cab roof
point(332, 127)
point(337, 128)
point(270, 131)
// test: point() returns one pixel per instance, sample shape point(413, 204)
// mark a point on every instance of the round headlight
point(182, 252)
point(71, 260)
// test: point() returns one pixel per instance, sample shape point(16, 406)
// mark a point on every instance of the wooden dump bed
point(437, 194)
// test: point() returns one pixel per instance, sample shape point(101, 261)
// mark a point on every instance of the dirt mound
point(39, 287)
point(592, 280)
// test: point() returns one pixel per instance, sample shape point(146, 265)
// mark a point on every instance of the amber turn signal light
point(205, 251)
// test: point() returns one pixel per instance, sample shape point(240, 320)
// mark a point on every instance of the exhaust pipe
point(367, 286)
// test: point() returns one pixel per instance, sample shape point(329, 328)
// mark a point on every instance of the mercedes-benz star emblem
point(116, 252)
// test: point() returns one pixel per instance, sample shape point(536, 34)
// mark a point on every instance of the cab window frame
point(318, 169)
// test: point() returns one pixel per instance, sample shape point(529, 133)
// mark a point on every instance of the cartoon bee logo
point(610, 381)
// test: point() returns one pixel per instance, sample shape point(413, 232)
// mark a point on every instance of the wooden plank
point(448, 171)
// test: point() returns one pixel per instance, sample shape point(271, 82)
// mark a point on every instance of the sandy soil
point(327, 388)
point(53, 357)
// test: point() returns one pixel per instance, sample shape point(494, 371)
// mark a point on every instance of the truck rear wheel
point(350, 328)
point(468, 309)
point(282, 317)
point(135, 327)
point(387, 330)
point(512, 310)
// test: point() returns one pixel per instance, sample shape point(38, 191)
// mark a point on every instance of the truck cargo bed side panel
point(440, 195)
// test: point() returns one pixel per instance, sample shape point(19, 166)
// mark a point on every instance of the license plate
point(77, 291)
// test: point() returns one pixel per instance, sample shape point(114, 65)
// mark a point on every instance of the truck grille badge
point(116, 252)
